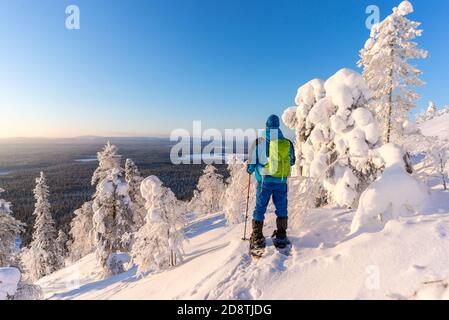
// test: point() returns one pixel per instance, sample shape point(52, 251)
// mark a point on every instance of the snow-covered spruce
point(159, 243)
point(395, 193)
point(41, 258)
point(337, 133)
point(387, 72)
point(134, 179)
point(112, 206)
point(81, 231)
point(210, 190)
point(234, 200)
point(108, 159)
point(10, 228)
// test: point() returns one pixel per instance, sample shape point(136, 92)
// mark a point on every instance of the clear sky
point(147, 67)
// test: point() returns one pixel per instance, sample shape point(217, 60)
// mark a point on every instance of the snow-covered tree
point(234, 200)
point(211, 189)
point(61, 242)
point(159, 243)
point(112, 219)
point(436, 162)
point(387, 72)
point(337, 133)
point(81, 232)
point(296, 118)
point(134, 179)
point(108, 160)
point(10, 228)
point(42, 256)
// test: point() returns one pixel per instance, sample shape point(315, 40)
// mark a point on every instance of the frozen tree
point(296, 118)
point(134, 179)
point(113, 224)
point(61, 242)
point(42, 256)
point(82, 238)
point(234, 200)
point(159, 243)
point(387, 72)
point(10, 228)
point(338, 133)
point(112, 219)
point(108, 160)
point(436, 162)
point(211, 188)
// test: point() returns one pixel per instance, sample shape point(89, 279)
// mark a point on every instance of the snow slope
point(436, 127)
point(407, 259)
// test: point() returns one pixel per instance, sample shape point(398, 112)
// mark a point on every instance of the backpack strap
point(293, 147)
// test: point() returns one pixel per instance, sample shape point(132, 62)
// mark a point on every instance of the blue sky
point(147, 67)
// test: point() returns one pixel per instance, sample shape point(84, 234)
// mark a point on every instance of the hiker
point(271, 157)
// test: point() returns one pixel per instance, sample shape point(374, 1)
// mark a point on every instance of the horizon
point(146, 69)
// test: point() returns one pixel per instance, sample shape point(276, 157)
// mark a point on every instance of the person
point(270, 158)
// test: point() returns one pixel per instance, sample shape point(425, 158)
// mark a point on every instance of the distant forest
point(68, 170)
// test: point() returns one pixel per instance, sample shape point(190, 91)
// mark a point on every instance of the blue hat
point(272, 121)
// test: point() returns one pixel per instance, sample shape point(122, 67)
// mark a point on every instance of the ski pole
point(247, 204)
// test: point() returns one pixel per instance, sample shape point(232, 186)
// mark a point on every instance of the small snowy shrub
point(234, 201)
point(395, 193)
point(159, 243)
point(210, 190)
point(81, 231)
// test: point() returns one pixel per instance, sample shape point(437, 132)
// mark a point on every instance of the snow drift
point(394, 194)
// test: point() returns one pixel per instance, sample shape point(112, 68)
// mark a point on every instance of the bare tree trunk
point(442, 173)
point(387, 137)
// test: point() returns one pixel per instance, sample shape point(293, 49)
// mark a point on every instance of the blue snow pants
point(266, 190)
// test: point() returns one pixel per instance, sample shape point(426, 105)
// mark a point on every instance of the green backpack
point(278, 162)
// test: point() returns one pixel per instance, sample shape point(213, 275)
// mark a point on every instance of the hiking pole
point(247, 204)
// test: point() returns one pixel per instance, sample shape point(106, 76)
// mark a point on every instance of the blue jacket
point(258, 155)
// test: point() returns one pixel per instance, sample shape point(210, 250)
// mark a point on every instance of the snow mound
point(9, 280)
point(437, 126)
point(392, 195)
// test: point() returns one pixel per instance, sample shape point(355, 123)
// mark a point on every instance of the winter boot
point(257, 240)
point(279, 236)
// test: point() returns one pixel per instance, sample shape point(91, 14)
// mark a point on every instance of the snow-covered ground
point(407, 259)
point(436, 127)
